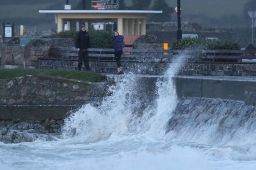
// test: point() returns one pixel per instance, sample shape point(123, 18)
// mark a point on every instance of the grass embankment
point(75, 75)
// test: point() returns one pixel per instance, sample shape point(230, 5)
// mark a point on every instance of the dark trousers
point(118, 55)
point(83, 57)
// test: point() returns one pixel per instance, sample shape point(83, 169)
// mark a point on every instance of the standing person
point(118, 43)
point(83, 43)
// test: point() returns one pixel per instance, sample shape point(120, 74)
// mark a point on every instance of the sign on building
point(105, 4)
point(8, 30)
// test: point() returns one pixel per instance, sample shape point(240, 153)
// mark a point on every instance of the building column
point(59, 24)
point(139, 27)
point(143, 27)
point(125, 27)
point(120, 27)
point(132, 26)
point(129, 26)
point(77, 26)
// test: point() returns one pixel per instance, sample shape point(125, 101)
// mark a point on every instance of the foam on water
point(112, 117)
point(124, 133)
point(117, 113)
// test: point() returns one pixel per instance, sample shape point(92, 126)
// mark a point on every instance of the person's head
point(116, 33)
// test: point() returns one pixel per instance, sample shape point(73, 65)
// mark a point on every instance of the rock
point(19, 59)
point(10, 84)
point(75, 87)
point(16, 132)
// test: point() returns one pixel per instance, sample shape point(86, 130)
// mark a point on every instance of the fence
point(69, 56)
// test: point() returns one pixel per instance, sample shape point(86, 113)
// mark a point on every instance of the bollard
point(166, 48)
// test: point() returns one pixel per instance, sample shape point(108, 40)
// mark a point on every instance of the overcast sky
point(214, 8)
point(208, 8)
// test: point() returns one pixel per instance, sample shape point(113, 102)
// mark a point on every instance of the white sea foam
point(116, 135)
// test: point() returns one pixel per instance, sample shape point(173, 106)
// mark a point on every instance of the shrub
point(222, 45)
point(101, 39)
point(147, 39)
point(98, 39)
point(187, 43)
point(67, 34)
point(206, 44)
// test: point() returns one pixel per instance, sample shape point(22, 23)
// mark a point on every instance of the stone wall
point(22, 56)
point(223, 87)
point(40, 103)
point(48, 48)
point(44, 97)
point(190, 69)
point(12, 55)
point(158, 67)
point(219, 69)
point(232, 88)
point(31, 90)
point(28, 55)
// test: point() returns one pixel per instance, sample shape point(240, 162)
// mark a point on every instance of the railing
point(69, 56)
point(100, 54)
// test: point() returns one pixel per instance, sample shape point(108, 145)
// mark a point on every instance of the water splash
point(125, 133)
point(166, 101)
point(110, 118)
point(118, 113)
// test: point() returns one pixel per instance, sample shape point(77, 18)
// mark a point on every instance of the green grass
point(75, 75)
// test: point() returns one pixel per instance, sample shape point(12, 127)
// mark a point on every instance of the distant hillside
point(212, 8)
point(26, 11)
point(202, 11)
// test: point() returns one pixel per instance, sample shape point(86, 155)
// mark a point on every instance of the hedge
point(206, 44)
point(98, 39)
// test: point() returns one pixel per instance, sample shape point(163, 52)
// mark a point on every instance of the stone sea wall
point(158, 67)
point(33, 90)
point(40, 98)
point(34, 107)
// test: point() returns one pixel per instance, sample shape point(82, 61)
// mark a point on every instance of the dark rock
point(54, 52)
point(16, 132)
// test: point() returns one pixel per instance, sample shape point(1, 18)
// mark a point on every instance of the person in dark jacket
point(118, 45)
point(83, 43)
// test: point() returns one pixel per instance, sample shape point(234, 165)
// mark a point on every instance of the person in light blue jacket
point(118, 45)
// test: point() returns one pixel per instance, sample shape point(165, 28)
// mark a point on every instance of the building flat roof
point(99, 12)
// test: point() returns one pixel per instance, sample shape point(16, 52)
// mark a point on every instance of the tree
point(81, 4)
point(196, 26)
point(141, 4)
point(167, 11)
point(122, 5)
